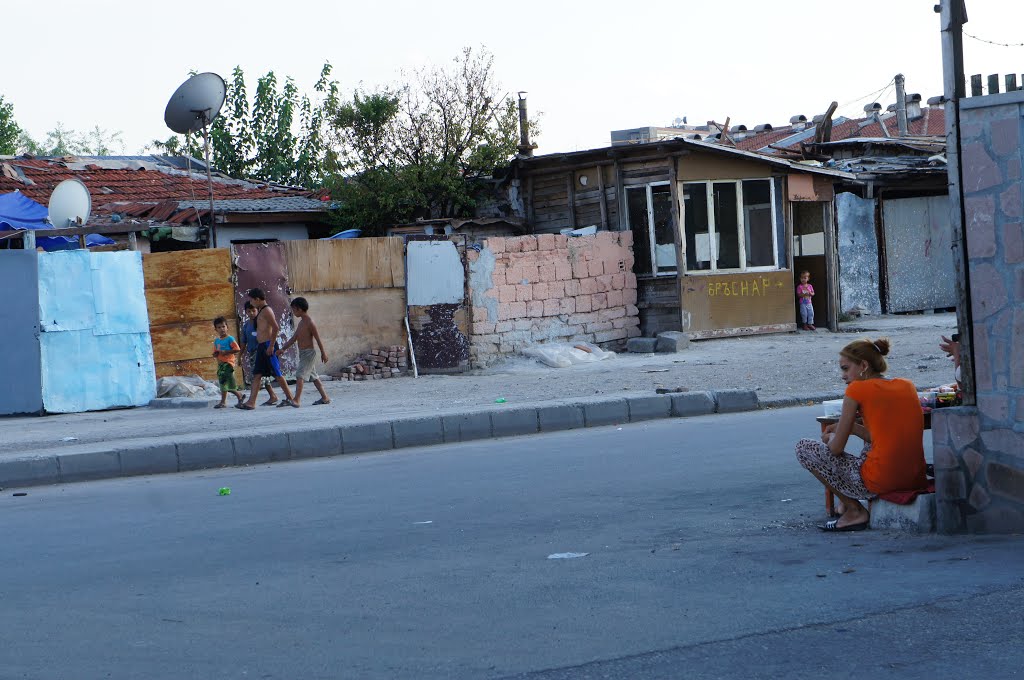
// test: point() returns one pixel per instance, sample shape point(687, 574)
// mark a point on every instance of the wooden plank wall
point(356, 293)
point(346, 264)
point(185, 291)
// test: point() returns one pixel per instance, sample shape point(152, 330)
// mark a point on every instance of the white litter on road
point(566, 556)
point(69, 439)
point(429, 521)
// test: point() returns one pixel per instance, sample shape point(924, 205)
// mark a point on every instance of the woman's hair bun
point(882, 345)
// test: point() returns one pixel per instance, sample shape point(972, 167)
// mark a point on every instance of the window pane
point(757, 222)
point(636, 210)
point(664, 241)
point(727, 226)
point(698, 244)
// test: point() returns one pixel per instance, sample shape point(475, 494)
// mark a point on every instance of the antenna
point(70, 204)
point(192, 108)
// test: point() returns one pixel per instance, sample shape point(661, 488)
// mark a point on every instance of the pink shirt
point(802, 290)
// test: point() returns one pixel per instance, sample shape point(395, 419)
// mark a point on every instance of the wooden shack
point(713, 227)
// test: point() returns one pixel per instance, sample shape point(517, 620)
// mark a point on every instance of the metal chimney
point(901, 106)
point(525, 146)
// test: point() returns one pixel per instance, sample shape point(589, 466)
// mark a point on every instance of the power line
point(872, 95)
point(992, 42)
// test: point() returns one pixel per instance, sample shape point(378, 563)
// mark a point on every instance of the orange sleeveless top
point(892, 414)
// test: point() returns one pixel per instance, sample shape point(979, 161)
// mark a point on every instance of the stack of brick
point(551, 288)
point(390, 362)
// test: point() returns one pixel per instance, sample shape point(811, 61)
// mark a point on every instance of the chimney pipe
point(525, 146)
point(901, 106)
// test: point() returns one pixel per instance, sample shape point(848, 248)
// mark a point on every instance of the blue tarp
point(18, 211)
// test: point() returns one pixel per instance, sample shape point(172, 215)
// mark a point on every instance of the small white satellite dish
point(70, 204)
point(195, 103)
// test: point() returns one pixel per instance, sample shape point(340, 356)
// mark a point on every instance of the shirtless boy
point(304, 336)
point(266, 362)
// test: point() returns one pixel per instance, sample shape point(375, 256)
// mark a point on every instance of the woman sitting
point(893, 455)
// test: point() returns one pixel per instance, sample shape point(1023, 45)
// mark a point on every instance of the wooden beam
point(570, 191)
point(619, 191)
point(677, 237)
point(604, 197)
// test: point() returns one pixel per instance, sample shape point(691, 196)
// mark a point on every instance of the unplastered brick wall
point(527, 290)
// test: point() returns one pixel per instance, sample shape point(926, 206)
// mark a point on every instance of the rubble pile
point(387, 362)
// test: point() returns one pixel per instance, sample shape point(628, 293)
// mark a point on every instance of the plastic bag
point(563, 354)
point(191, 386)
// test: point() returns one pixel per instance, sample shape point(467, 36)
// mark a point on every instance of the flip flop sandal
point(268, 402)
point(284, 402)
point(833, 525)
point(223, 405)
point(245, 407)
point(320, 402)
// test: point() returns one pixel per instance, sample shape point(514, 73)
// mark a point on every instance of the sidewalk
point(724, 375)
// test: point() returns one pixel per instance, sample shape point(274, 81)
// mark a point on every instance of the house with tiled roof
point(169, 199)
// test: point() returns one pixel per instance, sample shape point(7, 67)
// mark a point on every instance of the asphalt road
point(433, 563)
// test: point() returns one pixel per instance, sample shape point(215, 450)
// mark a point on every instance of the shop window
point(729, 225)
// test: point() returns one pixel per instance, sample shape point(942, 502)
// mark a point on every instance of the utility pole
point(953, 17)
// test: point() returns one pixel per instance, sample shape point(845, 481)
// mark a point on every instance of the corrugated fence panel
point(345, 264)
point(918, 254)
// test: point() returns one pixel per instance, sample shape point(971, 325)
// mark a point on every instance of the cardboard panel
point(187, 268)
point(20, 359)
point(353, 322)
point(345, 264)
point(202, 302)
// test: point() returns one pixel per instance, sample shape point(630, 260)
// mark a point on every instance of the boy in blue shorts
point(266, 363)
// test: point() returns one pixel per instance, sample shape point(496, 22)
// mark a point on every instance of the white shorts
point(307, 365)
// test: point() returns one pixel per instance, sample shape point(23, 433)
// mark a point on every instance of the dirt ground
point(784, 369)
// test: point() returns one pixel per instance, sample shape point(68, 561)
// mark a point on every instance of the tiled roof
point(149, 188)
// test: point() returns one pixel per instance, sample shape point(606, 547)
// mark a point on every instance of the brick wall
point(979, 450)
point(527, 290)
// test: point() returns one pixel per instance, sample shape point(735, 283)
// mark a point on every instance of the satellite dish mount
point(192, 108)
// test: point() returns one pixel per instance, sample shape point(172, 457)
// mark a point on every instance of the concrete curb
point(200, 452)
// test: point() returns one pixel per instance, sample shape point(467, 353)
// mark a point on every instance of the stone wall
point(979, 450)
point(527, 290)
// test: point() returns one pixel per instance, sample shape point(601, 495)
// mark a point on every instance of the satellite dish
point(70, 204)
point(195, 103)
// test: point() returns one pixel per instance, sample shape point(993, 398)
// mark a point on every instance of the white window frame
point(650, 227)
point(740, 225)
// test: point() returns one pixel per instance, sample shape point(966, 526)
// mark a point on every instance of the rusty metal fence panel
point(858, 254)
point(918, 254)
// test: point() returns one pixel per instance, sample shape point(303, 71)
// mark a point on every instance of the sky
point(588, 68)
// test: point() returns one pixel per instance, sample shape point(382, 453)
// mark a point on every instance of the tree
point(10, 132)
point(100, 142)
point(280, 137)
point(422, 148)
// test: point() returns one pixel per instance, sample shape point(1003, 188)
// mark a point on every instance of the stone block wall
point(979, 450)
point(527, 290)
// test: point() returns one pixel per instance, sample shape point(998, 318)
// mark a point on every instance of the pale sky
point(589, 67)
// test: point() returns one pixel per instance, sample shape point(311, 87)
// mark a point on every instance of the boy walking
point(805, 291)
point(266, 362)
point(304, 335)
point(225, 349)
point(249, 346)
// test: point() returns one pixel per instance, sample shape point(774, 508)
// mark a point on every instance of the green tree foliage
point(10, 132)
point(281, 136)
point(421, 149)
